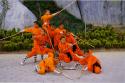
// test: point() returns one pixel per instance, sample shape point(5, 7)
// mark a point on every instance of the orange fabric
point(79, 52)
point(46, 18)
point(65, 48)
point(39, 42)
point(97, 69)
point(39, 50)
point(34, 30)
point(75, 58)
point(46, 24)
point(37, 34)
point(71, 39)
point(90, 60)
point(56, 41)
point(62, 49)
point(47, 64)
point(41, 67)
point(49, 31)
point(64, 57)
point(58, 33)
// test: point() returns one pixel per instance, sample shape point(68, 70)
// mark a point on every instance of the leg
point(64, 57)
point(40, 68)
point(35, 58)
point(24, 60)
point(42, 57)
point(46, 50)
point(79, 52)
point(73, 55)
point(30, 54)
point(51, 68)
point(90, 67)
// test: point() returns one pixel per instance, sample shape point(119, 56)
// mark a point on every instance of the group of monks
point(55, 45)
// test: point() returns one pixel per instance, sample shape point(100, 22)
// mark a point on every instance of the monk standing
point(47, 17)
point(46, 24)
point(46, 21)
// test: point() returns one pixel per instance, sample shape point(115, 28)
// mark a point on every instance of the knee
point(61, 56)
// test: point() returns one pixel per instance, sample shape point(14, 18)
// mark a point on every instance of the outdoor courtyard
point(113, 66)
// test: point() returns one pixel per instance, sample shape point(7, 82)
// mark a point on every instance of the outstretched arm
point(26, 30)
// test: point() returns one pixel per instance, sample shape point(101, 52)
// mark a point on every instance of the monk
point(58, 33)
point(47, 17)
point(93, 64)
point(40, 39)
point(70, 39)
point(46, 24)
point(65, 51)
point(46, 21)
point(47, 65)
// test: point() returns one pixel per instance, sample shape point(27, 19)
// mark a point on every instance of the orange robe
point(71, 39)
point(47, 64)
point(46, 26)
point(46, 22)
point(92, 63)
point(39, 41)
point(46, 19)
point(58, 34)
point(66, 54)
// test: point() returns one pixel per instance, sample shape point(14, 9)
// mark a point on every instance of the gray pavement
point(113, 64)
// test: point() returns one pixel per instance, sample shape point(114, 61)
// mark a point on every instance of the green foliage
point(19, 42)
point(102, 37)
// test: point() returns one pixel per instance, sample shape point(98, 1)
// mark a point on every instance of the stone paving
point(113, 63)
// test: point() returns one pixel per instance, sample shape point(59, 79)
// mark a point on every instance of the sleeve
point(73, 39)
point(59, 46)
point(47, 39)
point(28, 30)
point(50, 16)
point(42, 18)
